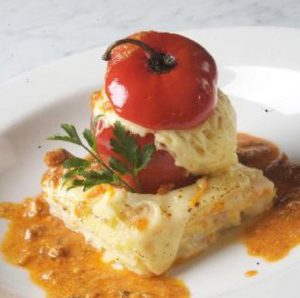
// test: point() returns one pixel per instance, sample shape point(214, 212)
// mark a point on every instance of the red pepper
point(160, 171)
point(161, 80)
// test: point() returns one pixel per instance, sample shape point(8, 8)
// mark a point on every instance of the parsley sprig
point(136, 159)
point(80, 171)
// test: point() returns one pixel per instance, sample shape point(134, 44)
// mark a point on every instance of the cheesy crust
point(147, 233)
point(205, 149)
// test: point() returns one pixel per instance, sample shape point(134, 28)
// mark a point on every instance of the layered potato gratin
point(147, 232)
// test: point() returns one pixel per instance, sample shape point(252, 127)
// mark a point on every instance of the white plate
point(258, 67)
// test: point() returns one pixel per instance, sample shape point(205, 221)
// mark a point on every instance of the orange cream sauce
point(278, 230)
point(62, 263)
point(275, 234)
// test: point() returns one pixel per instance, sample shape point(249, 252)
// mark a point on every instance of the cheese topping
point(147, 232)
point(205, 149)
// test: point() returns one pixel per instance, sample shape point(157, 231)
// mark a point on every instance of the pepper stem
point(158, 62)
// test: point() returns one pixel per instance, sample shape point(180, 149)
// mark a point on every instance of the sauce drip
point(251, 273)
point(278, 230)
point(61, 262)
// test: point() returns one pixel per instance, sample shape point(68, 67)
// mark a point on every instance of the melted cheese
point(205, 149)
point(145, 232)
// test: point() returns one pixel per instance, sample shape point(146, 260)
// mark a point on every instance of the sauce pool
point(61, 262)
point(278, 231)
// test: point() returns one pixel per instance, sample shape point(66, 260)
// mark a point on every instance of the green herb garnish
point(80, 172)
point(136, 159)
